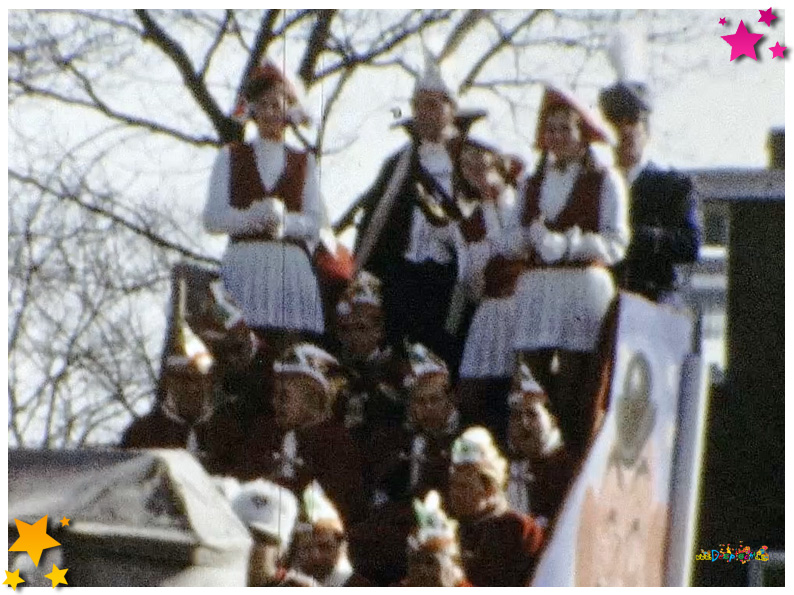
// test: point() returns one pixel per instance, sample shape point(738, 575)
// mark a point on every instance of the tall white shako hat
point(435, 531)
point(476, 447)
point(267, 508)
point(628, 99)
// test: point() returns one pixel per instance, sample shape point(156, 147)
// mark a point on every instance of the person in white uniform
point(265, 196)
point(574, 225)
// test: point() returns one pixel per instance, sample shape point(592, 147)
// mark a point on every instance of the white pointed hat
point(319, 510)
point(435, 530)
point(431, 79)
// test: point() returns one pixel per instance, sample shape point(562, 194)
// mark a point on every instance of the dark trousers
point(416, 303)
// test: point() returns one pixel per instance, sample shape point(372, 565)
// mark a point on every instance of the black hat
point(624, 101)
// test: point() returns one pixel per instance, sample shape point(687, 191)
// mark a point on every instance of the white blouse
point(608, 245)
point(222, 218)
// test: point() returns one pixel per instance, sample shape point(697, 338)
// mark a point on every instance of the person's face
point(431, 569)
point(479, 170)
point(632, 140)
point(318, 552)
point(362, 333)
point(430, 405)
point(190, 393)
point(269, 113)
point(263, 561)
point(235, 348)
point(470, 494)
point(530, 426)
point(296, 400)
point(433, 113)
point(561, 134)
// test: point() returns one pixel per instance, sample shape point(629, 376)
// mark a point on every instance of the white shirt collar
point(633, 172)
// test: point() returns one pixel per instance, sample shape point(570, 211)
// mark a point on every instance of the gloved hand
point(268, 216)
point(552, 247)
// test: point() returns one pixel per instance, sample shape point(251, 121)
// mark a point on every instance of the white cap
point(267, 508)
point(423, 362)
point(308, 359)
point(476, 447)
point(364, 289)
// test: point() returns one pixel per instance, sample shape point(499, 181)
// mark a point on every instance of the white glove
point(574, 236)
point(268, 216)
point(588, 247)
point(553, 247)
point(267, 208)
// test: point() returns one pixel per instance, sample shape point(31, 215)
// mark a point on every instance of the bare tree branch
point(215, 44)
point(137, 229)
point(504, 41)
point(226, 127)
point(315, 45)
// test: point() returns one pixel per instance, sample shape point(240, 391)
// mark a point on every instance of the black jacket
point(666, 230)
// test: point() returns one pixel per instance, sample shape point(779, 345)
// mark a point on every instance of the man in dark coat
point(500, 546)
point(409, 236)
point(663, 210)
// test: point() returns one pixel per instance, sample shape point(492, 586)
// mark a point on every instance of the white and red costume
point(271, 278)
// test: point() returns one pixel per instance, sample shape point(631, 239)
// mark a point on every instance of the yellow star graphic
point(33, 539)
point(65, 521)
point(57, 576)
point(13, 579)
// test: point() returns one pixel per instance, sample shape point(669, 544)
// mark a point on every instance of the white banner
point(612, 529)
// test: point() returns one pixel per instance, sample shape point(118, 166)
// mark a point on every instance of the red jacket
point(500, 550)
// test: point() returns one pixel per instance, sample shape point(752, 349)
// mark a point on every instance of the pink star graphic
point(722, 21)
point(742, 42)
point(777, 50)
point(767, 17)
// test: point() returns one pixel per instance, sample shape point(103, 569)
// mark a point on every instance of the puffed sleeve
point(219, 216)
point(609, 245)
point(306, 224)
point(512, 241)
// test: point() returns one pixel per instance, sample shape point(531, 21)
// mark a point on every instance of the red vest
point(245, 185)
point(583, 207)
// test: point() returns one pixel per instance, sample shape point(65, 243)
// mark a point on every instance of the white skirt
point(274, 284)
point(489, 344)
point(562, 308)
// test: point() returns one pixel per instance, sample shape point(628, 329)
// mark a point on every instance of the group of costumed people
point(419, 422)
